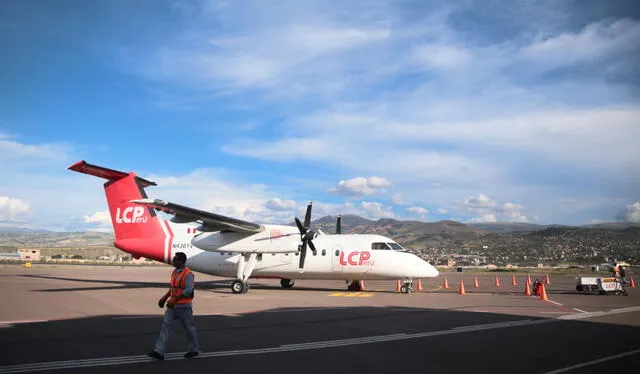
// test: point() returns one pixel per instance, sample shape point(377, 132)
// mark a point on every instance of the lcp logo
point(131, 215)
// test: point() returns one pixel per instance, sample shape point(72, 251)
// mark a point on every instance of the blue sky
point(475, 111)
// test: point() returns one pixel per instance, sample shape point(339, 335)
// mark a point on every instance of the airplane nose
point(425, 270)
point(431, 270)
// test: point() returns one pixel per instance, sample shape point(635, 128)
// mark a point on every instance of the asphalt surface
point(105, 319)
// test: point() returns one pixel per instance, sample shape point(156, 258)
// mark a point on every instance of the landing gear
point(406, 287)
point(354, 286)
point(239, 286)
point(246, 264)
point(286, 283)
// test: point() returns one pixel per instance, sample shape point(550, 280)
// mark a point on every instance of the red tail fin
point(138, 230)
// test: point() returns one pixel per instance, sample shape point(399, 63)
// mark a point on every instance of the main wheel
point(238, 286)
point(404, 288)
point(286, 283)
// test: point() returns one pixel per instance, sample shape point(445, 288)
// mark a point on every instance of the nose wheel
point(239, 286)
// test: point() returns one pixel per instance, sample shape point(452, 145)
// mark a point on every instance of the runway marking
point(23, 321)
point(599, 314)
point(554, 302)
point(579, 310)
point(106, 361)
point(135, 317)
point(351, 294)
point(304, 309)
point(569, 368)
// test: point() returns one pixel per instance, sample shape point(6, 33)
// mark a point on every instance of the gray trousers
point(185, 315)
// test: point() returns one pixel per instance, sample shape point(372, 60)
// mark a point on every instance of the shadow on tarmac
point(447, 341)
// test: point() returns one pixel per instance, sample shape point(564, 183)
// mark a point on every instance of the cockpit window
point(379, 246)
point(396, 246)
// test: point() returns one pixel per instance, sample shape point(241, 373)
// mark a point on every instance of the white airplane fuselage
point(337, 257)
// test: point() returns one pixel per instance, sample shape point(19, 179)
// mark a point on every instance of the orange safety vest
point(178, 283)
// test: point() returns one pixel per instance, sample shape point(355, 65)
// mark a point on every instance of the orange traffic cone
point(361, 285)
point(546, 279)
point(419, 288)
point(632, 284)
point(497, 281)
point(475, 282)
point(398, 286)
point(543, 293)
point(513, 280)
point(461, 291)
point(446, 283)
point(529, 279)
point(527, 290)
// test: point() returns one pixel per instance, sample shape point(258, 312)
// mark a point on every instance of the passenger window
point(324, 252)
point(337, 252)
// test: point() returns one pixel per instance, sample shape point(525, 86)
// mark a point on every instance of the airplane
point(232, 248)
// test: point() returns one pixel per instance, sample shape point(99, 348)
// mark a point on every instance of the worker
point(537, 285)
point(179, 300)
point(623, 275)
point(616, 270)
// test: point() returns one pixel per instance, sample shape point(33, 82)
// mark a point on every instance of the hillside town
point(445, 243)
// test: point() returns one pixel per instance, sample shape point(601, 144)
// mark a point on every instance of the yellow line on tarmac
point(351, 294)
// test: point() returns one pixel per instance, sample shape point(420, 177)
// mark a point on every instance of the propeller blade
point(339, 226)
point(312, 246)
point(302, 229)
point(307, 217)
point(303, 254)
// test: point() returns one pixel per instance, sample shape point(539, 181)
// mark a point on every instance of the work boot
point(191, 354)
point(156, 355)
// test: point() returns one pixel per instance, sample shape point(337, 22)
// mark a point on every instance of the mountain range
point(409, 233)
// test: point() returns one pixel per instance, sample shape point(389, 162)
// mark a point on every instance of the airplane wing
point(209, 221)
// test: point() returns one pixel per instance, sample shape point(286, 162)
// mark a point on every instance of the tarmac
point(104, 319)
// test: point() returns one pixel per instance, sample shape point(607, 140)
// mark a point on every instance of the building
point(29, 254)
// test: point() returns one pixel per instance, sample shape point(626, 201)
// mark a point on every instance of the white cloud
point(12, 150)
point(418, 210)
point(631, 213)
point(12, 209)
point(442, 56)
point(485, 218)
point(362, 186)
point(597, 41)
point(375, 210)
point(283, 58)
point(397, 199)
point(279, 204)
point(478, 202)
point(442, 211)
point(489, 208)
point(102, 218)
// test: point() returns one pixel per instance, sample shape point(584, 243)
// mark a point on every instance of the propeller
point(339, 226)
point(306, 236)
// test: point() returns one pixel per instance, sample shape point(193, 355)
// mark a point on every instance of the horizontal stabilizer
point(102, 172)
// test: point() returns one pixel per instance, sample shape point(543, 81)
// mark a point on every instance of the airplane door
point(335, 258)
